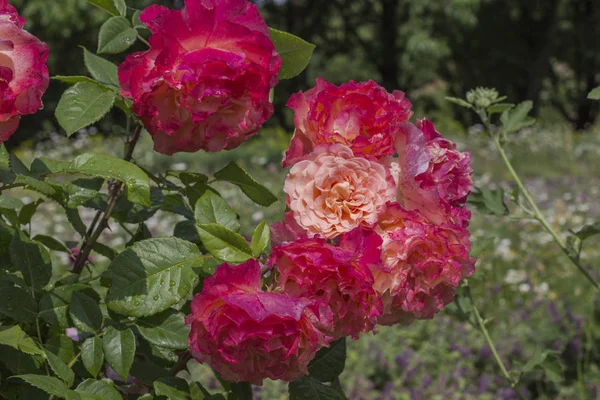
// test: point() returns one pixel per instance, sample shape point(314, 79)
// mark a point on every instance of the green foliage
point(261, 238)
point(295, 53)
point(114, 7)
point(167, 330)
point(224, 244)
point(119, 349)
point(85, 313)
point(517, 118)
point(329, 362)
point(257, 192)
point(489, 201)
point(116, 36)
point(102, 70)
point(92, 355)
point(212, 209)
point(311, 389)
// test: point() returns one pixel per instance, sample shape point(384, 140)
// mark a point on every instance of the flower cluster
point(375, 234)
point(205, 81)
point(23, 72)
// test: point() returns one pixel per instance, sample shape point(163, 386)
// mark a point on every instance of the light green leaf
point(31, 259)
point(121, 7)
point(85, 313)
point(91, 389)
point(119, 350)
point(224, 244)
point(82, 105)
point(172, 388)
point(10, 203)
point(92, 355)
point(517, 118)
point(460, 102)
point(48, 384)
point(257, 192)
point(107, 167)
point(18, 304)
point(116, 35)
point(135, 20)
point(16, 338)
point(152, 275)
point(261, 238)
point(213, 209)
point(166, 330)
point(295, 53)
point(499, 108)
point(308, 388)
point(329, 362)
point(594, 94)
point(61, 369)
point(102, 70)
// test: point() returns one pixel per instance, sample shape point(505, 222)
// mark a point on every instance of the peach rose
point(333, 191)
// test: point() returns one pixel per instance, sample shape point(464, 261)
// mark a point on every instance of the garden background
point(547, 51)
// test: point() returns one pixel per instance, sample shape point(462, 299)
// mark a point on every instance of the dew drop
point(172, 283)
point(155, 298)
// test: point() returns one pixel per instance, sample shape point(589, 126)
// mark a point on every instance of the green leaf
point(213, 209)
point(10, 203)
point(91, 389)
point(308, 388)
point(295, 53)
point(240, 391)
point(489, 201)
point(499, 108)
point(61, 369)
point(102, 70)
point(152, 275)
point(92, 355)
point(82, 105)
point(258, 193)
point(116, 35)
point(460, 102)
point(186, 230)
point(16, 338)
point(85, 313)
point(547, 361)
point(594, 94)
point(71, 80)
point(119, 350)
point(224, 243)
point(135, 20)
point(166, 329)
point(28, 211)
point(48, 384)
point(42, 166)
point(261, 238)
point(172, 388)
point(107, 167)
point(18, 304)
point(113, 7)
point(54, 305)
point(31, 259)
point(6, 174)
point(329, 362)
point(517, 118)
point(588, 231)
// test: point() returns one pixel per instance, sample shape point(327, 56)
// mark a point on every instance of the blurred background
point(544, 50)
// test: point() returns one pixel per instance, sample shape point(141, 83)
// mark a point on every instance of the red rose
point(23, 72)
point(247, 334)
point(205, 82)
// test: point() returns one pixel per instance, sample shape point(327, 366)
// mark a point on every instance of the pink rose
point(23, 72)
point(433, 176)
point(248, 335)
point(333, 191)
point(337, 278)
point(423, 264)
point(362, 116)
point(205, 82)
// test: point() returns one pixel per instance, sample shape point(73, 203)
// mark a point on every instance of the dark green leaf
point(32, 260)
point(308, 388)
point(224, 243)
point(295, 53)
point(20, 363)
point(186, 230)
point(517, 118)
point(116, 35)
point(81, 191)
point(18, 304)
point(107, 167)
point(588, 231)
point(489, 201)
point(62, 346)
point(82, 105)
point(166, 329)
point(329, 362)
point(54, 305)
point(460, 102)
point(135, 20)
point(10, 203)
point(119, 350)
point(71, 80)
point(240, 391)
point(75, 220)
point(176, 204)
point(6, 174)
point(85, 313)
point(61, 369)
point(261, 238)
point(28, 211)
point(148, 372)
point(213, 209)
point(258, 193)
point(172, 388)
point(142, 233)
point(102, 70)
point(92, 355)
point(48, 384)
point(42, 166)
point(91, 389)
point(151, 276)
point(110, 6)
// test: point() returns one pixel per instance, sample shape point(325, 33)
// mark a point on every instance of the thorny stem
point(481, 326)
point(115, 193)
point(537, 214)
